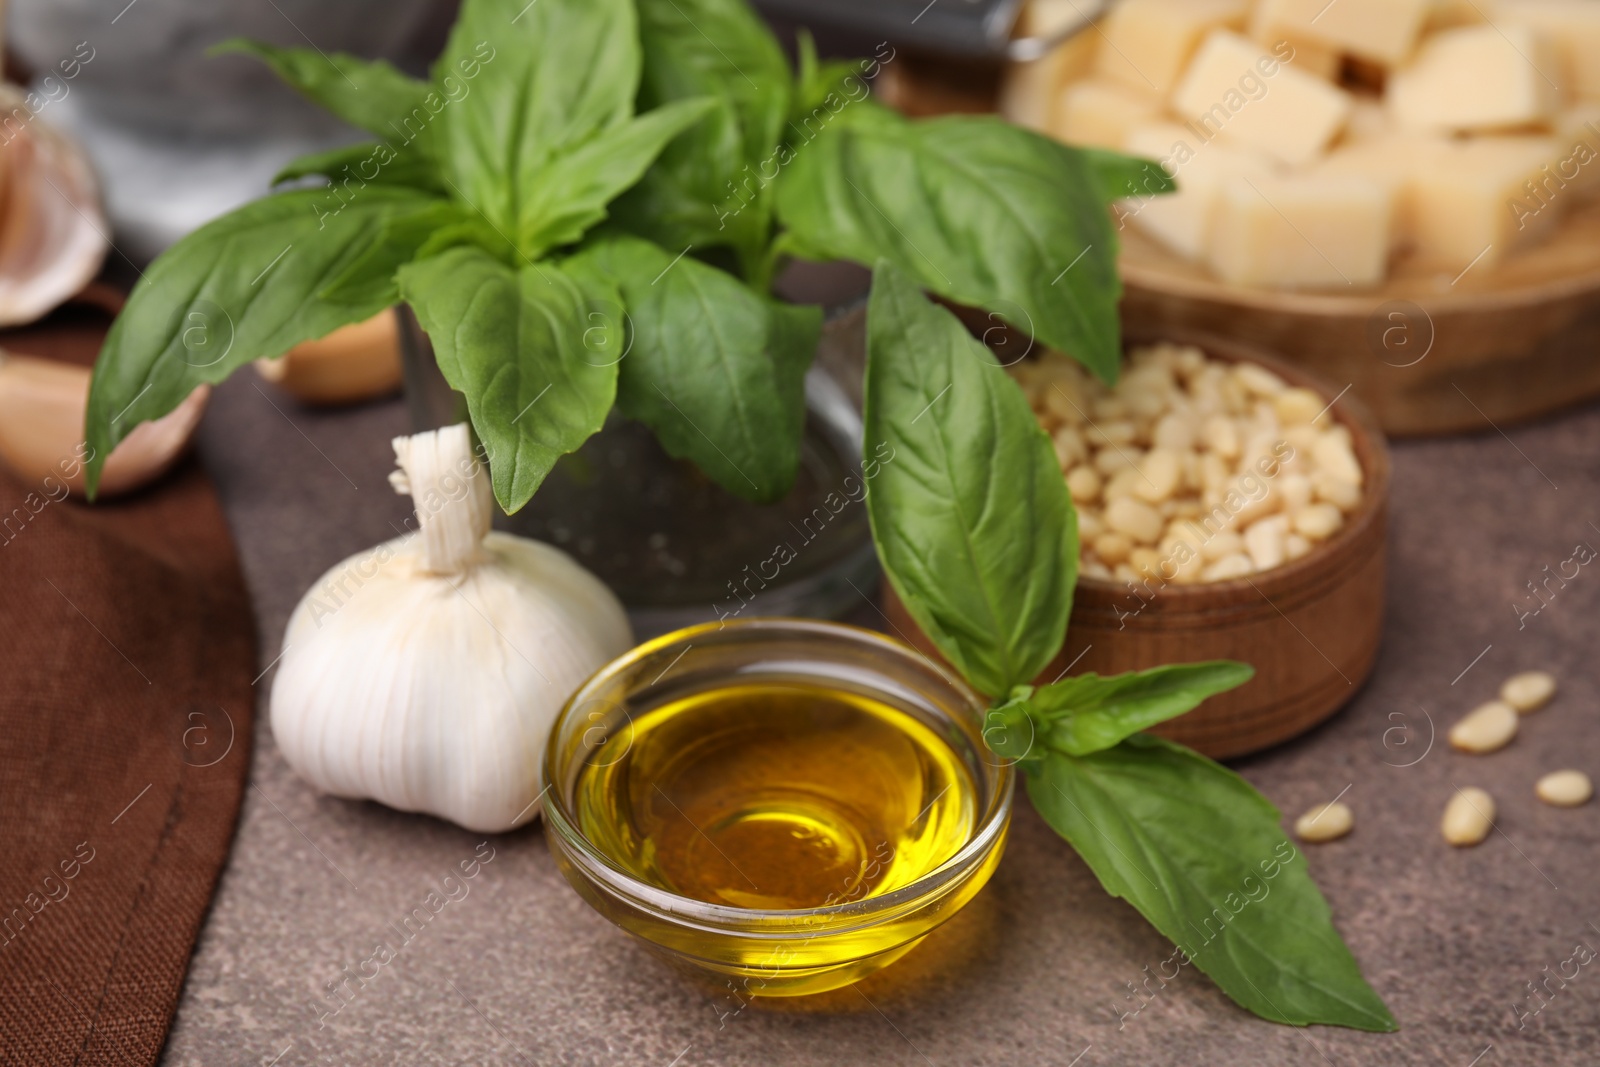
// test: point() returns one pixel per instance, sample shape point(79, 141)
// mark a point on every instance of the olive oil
point(775, 795)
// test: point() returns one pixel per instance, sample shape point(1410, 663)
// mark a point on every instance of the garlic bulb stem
point(453, 498)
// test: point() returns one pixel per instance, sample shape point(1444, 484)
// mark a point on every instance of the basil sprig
point(660, 153)
point(976, 531)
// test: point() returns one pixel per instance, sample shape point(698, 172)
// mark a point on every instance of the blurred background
point(179, 136)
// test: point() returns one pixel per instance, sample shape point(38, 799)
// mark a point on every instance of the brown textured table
point(1035, 970)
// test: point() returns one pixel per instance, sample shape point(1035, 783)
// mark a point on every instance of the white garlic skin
point(436, 692)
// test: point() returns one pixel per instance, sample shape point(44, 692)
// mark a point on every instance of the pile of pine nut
point(1193, 469)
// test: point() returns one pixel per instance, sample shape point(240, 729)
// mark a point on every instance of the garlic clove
point(42, 405)
point(426, 673)
point(52, 228)
point(353, 363)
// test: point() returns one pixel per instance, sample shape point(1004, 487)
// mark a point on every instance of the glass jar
point(675, 547)
point(772, 952)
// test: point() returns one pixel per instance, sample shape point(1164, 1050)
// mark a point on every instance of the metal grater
point(959, 27)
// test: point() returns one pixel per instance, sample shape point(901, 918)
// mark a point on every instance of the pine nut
point(1487, 728)
point(1090, 526)
point(1333, 454)
point(1468, 817)
point(1222, 436)
point(1235, 566)
point(1070, 450)
point(1109, 461)
point(1083, 483)
point(1144, 560)
point(1296, 406)
point(1103, 434)
point(1160, 474)
point(1113, 548)
point(1326, 823)
point(1093, 568)
point(1221, 544)
point(1528, 691)
point(1565, 789)
point(1136, 519)
point(1258, 380)
point(1346, 496)
point(1296, 490)
point(1125, 482)
point(1318, 521)
point(1264, 540)
point(1175, 431)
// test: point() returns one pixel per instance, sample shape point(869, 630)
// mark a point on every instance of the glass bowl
point(772, 952)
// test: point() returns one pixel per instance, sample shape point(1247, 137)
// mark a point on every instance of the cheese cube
point(1100, 113)
point(1302, 231)
point(1046, 18)
point(1396, 161)
point(1030, 92)
point(1236, 91)
point(1572, 27)
point(1482, 198)
point(1384, 31)
point(1182, 220)
point(1476, 78)
point(1147, 43)
point(1307, 56)
point(1369, 121)
point(1448, 14)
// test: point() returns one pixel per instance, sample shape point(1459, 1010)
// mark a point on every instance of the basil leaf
point(547, 78)
point(1088, 713)
point(714, 369)
point(845, 81)
point(1009, 730)
point(353, 166)
point(370, 279)
point(569, 194)
point(1119, 176)
point(512, 342)
point(711, 187)
point(975, 209)
point(369, 94)
point(242, 287)
point(1199, 852)
point(972, 518)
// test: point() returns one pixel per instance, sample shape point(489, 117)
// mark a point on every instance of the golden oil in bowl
point(779, 796)
point(794, 803)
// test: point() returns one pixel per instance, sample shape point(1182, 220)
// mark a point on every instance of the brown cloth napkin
point(126, 659)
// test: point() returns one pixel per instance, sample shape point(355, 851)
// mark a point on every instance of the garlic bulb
point(426, 672)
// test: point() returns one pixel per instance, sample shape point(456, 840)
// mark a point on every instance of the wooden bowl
point(1430, 353)
point(1310, 627)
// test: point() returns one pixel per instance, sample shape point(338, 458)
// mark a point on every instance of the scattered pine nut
point(1528, 691)
point(1328, 822)
point(1468, 817)
point(1487, 728)
point(1565, 789)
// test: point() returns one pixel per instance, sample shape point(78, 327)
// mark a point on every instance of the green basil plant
point(581, 179)
point(585, 206)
